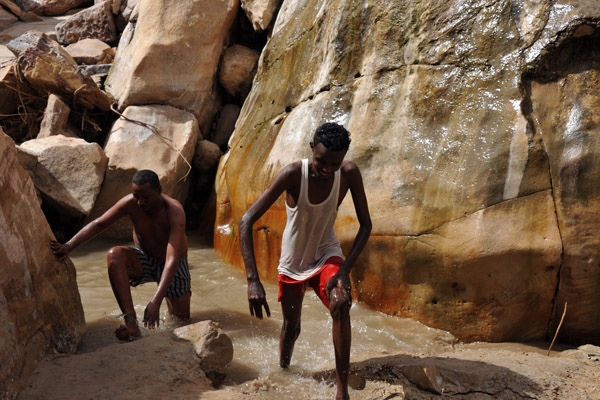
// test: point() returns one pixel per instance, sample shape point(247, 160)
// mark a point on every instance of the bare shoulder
point(174, 206)
point(350, 170)
point(290, 174)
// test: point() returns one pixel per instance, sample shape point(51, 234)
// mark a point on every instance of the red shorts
point(318, 281)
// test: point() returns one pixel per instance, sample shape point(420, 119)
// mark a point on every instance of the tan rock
point(131, 146)
point(238, 69)
point(12, 7)
point(207, 155)
point(164, 58)
point(90, 51)
point(261, 12)
point(47, 67)
point(56, 119)
point(213, 347)
point(49, 7)
point(69, 172)
point(6, 19)
point(40, 308)
point(95, 22)
point(565, 112)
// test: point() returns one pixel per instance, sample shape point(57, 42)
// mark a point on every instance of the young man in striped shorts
point(160, 252)
point(310, 251)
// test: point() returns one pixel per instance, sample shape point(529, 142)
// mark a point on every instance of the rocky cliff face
point(474, 123)
point(40, 308)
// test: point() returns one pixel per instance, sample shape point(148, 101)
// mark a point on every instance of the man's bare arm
point(361, 207)
point(92, 229)
point(176, 248)
point(256, 292)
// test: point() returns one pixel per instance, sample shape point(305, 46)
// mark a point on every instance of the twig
point(558, 329)
point(161, 137)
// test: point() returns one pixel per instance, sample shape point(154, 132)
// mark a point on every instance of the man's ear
point(312, 145)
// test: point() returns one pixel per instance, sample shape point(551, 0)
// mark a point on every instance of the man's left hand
point(151, 315)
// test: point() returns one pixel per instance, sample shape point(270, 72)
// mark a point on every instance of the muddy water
point(219, 294)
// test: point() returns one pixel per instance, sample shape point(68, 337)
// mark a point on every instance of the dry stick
point(161, 137)
point(558, 329)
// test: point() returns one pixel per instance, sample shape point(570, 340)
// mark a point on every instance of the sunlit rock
point(40, 308)
point(89, 51)
point(96, 22)
point(212, 345)
point(261, 12)
point(67, 171)
point(160, 138)
point(462, 181)
point(169, 54)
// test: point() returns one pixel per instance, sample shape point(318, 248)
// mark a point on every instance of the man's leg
point(291, 305)
point(180, 306)
point(339, 307)
point(123, 263)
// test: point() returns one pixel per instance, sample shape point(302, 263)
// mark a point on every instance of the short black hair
point(146, 176)
point(333, 136)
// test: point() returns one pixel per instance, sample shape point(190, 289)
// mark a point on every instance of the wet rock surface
point(450, 109)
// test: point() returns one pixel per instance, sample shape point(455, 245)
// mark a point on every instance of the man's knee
point(116, 255)
point(291, 329)
point(339, 303)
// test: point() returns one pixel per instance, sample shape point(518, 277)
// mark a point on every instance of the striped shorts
point(152, 271)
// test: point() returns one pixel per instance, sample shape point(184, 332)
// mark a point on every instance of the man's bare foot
point(128, 333)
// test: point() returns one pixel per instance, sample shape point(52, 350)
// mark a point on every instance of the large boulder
point(48, 67)
point(480, 188)
point(40, 307)
point(49, 7)
point(169, 54)
point(67, 171)
point(96, 22)
point(161, 138)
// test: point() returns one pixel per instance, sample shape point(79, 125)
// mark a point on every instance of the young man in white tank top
point(311, 253)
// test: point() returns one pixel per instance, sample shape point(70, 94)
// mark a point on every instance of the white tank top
point(309, 237)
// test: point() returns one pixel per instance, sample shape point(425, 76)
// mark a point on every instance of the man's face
point(146, 197)
point(325, 162)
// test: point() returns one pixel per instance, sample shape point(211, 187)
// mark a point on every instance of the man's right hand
point(257, 299)
point(61, 251)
